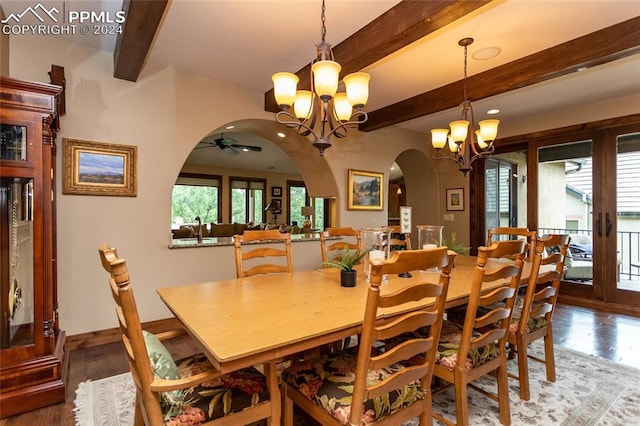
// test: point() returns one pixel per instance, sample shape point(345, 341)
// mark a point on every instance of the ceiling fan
point(230, 146)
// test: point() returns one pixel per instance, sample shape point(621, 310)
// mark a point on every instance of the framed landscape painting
point(96, 168)
point(366, 190)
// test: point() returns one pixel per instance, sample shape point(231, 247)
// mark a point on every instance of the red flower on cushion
point(247, 382)
point(190, 416)
point(310, 389)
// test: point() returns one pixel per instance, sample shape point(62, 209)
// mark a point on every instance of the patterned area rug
point(108, 401)
point(587, 391)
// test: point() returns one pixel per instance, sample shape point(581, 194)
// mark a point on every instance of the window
point(247, 200)
point(298, 198)
point(195, 195)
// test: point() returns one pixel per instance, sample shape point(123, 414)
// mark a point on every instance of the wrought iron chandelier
point(322, 112)
point(465, 147)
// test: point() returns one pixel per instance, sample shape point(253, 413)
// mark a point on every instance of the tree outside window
point(195, 195)
point(247, 200)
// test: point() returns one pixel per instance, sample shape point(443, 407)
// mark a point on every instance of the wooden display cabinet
point(32, 351)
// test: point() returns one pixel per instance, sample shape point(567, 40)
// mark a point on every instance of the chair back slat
point(421, 350)
point(490, 336)
point(401, 352)
point(396, 381)
point(406, 323)
point(411, 293)
point(269, 255)
point(265, 269)
point(263, 252)
point(546, 292)
point(496, 295)
point(496, 314)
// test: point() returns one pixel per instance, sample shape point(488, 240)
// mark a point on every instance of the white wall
point(165, 114)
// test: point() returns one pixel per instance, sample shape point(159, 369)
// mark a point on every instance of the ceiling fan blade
point(231, 150)
point(248, 147)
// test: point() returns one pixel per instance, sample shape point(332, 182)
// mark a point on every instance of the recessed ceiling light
point(245, 149)
point(486, 53)
point(230, 127)
point(493, 111)
point(280, 134)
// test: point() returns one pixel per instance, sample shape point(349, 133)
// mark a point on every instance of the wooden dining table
point(247, 321)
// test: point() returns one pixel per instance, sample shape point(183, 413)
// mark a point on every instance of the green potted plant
point(453, 245)
point(346, 260)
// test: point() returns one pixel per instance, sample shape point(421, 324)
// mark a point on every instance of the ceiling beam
point(406, 22)
point(607, 45)
point(142, 21)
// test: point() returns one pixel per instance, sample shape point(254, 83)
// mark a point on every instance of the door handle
point(599, 225)
point(609, 224)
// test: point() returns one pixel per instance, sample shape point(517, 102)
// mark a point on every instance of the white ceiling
point(244, 42)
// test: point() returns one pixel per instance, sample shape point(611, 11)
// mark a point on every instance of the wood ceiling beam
point(607, 45)
point(143, 19)
point(408, 21)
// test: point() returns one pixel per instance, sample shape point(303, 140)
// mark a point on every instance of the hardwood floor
point(610, 336)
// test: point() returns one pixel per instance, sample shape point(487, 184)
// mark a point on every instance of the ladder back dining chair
point(352, 242)
point(364, 385)
point(478, 347)
point(253, 259)
point(169, 391)
point(510, 233)
point(532, 320)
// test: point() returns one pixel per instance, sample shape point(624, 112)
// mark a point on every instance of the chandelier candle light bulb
point(284, 87)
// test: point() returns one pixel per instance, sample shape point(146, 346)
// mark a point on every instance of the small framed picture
point(455, 199)
point(276, 191)
point(405, 219)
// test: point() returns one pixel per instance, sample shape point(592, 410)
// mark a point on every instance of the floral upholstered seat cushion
point(449, 345)
point(229, 393)
point(328, 381)
point(533, 324)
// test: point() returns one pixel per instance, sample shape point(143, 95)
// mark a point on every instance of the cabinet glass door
point(13, 142)
point(16, 262)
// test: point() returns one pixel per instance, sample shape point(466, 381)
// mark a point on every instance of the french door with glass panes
point(590, 189)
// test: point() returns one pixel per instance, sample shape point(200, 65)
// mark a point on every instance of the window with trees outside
point(247, 199)
point(195, 195)
point(299, 198)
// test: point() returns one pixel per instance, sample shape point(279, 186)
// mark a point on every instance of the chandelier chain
point(324, 27)
point(464, 81)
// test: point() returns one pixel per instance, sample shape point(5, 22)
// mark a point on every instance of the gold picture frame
point(366, 190)
point(97, 168)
